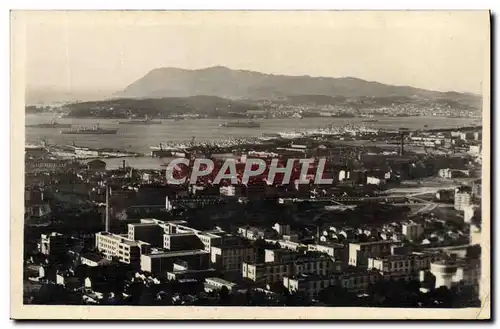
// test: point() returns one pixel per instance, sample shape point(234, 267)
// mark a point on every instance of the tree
point(224, 296)
point(337, 296)
point(297, 298)
point(147, 298)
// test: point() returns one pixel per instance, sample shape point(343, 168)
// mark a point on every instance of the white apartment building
point(272, 272)
point(360, 252)
point(121, 247)
point(214, 284)
point(375, 180)
point(445, 173)
point(412, 231)
point(312, 285)
point(469, 213)
point(336, 250)
point(282, 229)
point(475, 150)
point(463, 199)
point(403, 265)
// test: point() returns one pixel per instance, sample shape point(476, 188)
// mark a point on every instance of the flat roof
point(119, 237)
point(328, 244)
point(192, 271)
point(181, 234)
point(373, 243)
point(144, 224)
point(181, 253)
point(219, 280)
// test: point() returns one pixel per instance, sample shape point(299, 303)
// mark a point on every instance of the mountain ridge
point(224, 82)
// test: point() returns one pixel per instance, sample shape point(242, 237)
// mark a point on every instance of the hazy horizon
point(106, 51)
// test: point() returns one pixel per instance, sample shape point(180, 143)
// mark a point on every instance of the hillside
point(237, 84)
point(158, 107)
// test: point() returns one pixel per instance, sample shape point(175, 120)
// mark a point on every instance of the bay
point(139, 138)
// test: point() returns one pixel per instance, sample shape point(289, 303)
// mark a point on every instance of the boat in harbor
point(240, 124)
point(52, 124)
point(95, 130)
point(145, 121)
point(290, 135)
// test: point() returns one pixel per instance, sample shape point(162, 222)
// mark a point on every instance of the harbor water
point(139, 138)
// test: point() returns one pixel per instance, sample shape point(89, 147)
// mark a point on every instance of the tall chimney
point(107, 210)
point(123, 164)
point(402, 149)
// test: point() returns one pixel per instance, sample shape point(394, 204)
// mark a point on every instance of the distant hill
point(157, 107)
point(240, 84)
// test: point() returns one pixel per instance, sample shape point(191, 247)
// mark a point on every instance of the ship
point(240, 124)
point(95, 130)
point(291, 135)
point(146, 121)
point(367, 121)
point(52, 124)
point(167, 151)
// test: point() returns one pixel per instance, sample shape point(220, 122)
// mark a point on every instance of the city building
point(254, 233)
point(182, 241)
point(445, 173)
point(268, 273)
point(210, 239)
point(159, 262)
point(149, 232)
point(470, 212)
point(230, 190)
point(190, 274)
point(463, 198)
point(338, 251)
point(53, 244)
point(405, 266)
point(291, 245)
point(476, 188)
point(466, 136)
point(312, 285)
point(94, 260)
point(231, 253)
point(444, 271)
point(360, 252)
point(475, 235)
point(121, 247)
point(412, 230)
point(216, 284)
point(280, 255)
point(282, 229)
point(475, 149)
point(96, 165)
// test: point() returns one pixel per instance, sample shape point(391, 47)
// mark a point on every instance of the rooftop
point(93, 257)
point(181, 234)
point(193, 271)
point(143, 224)
point(220, 281)
point(372, 243)
point(181, 253)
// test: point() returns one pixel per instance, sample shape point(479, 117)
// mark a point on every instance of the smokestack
point(123, 163)
point(107, 228)
point(402, 149)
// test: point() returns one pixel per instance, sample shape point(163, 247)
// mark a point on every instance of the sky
point(75, 51)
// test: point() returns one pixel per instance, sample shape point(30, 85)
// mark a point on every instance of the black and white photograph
point(250, 164)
